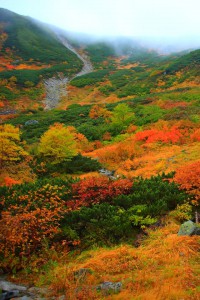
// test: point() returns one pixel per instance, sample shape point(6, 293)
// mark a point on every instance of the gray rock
point(107, 173)
point(38, 291)
point(197, 230)
point(9, 295)
point(8, 112)
point(8, 286)
point(110, 286)
point(3, 296)
point(23, 298)
point(189, 228)
point(31, 122)
point(56, 88)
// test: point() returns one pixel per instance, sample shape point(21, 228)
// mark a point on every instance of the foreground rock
point(9, 290)
point(189, 228)
point(108, 287)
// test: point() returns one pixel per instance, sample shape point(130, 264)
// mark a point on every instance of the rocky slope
point(57, 87)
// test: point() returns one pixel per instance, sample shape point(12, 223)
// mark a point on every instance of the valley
point(100, 166)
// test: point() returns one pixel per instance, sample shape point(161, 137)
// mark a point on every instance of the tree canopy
point(10, 148)
point(57, 144)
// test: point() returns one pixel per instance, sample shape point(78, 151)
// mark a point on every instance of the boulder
point(189, 228)
point(31, 122)
point(110, 286)
point(23, 298)
point(8, 295)
point(8, 286)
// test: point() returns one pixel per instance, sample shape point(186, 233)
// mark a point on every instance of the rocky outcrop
point(107, 173)
point(9, 290)
point(56, 88)
point(108, 287)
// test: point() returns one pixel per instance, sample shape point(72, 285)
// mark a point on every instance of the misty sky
point(158, 18)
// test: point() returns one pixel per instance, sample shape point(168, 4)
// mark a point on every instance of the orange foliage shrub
point(131, 129)
point(164, 267)
point(10, 181)
point(171, 104)
point(80, 139)
point(154, 135)
point(97, 144)
point(107, 136)
point(188, 177)
point(195, 136)
point(29, 220)
point(114, 154)
point(98, 111)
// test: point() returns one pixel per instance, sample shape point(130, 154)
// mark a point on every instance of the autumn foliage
point(10, 181)
point(154, 135)
point(31, 215)
point(99, 111)
point(188, 177)
point(57, 144)
point(97, 190)
point(165, 266)
point(28, 218)
point(11, 149)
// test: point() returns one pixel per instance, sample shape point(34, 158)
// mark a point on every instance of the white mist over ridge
point(165, 25)
point(162, 45)
point(156, 18)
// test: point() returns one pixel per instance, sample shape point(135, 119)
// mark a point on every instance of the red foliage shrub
point(96, 190)
point(172, 135)
point(10, 181)
point(10, 67)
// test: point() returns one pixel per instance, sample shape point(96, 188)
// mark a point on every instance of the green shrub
point(78, 164)
point(159, 195)
point(10, 195)
point(89, 79)
point(182, 212)
point(100, 225)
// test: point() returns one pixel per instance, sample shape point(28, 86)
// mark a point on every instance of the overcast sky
point(159, 18)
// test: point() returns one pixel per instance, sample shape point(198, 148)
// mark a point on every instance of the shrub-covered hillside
point(30, 39)
point(93, 192)
point(29, 52)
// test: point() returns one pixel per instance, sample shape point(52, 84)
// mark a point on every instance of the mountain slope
point(29, 39)
point(188, 62)
point(29, 53)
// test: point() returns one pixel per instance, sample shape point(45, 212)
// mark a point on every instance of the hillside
point(30, 39)
point(30, 52)
point(93, 190)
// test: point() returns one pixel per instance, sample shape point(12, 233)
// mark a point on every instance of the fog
point(168, 25)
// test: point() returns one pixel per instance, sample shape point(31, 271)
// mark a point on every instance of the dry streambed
point(56, 88)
